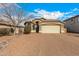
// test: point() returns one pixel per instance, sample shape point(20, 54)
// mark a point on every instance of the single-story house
point(48, 26)
point(72, 24)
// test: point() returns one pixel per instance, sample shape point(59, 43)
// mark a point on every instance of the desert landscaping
point(40, 44)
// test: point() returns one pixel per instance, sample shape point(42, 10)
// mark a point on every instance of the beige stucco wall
point(4, 26)
point(63, 30)
point(19, 30)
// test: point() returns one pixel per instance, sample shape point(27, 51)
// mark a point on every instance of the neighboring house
point(72, 24)
point(48, 26)
point(6, 25)
point(4, 28)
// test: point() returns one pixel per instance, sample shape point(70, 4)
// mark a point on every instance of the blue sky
point(60, 11)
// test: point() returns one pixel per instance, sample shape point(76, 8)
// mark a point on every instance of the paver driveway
point(40, 45)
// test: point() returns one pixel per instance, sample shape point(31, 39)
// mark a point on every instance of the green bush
point(27, 28)
point(5, 31)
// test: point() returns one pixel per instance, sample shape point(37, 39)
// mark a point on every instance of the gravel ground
point(40, 45)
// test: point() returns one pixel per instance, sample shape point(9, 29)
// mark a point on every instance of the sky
point(59, 11)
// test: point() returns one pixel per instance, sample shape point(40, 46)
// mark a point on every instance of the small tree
point(37, 27)
point(14, 15)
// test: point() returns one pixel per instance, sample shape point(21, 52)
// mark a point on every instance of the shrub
point(5, 31)
point(27, 28)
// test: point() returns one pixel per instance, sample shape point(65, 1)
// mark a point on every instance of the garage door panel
point(50, 29)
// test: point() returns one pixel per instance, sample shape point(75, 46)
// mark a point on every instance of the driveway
point(40, 45)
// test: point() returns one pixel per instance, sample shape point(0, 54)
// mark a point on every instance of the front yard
point(40, 44)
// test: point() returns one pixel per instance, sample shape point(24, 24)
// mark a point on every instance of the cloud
point(75, 9)
point(38, 13)
point(48, 15)
point(68, 12)
point(56, 14)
